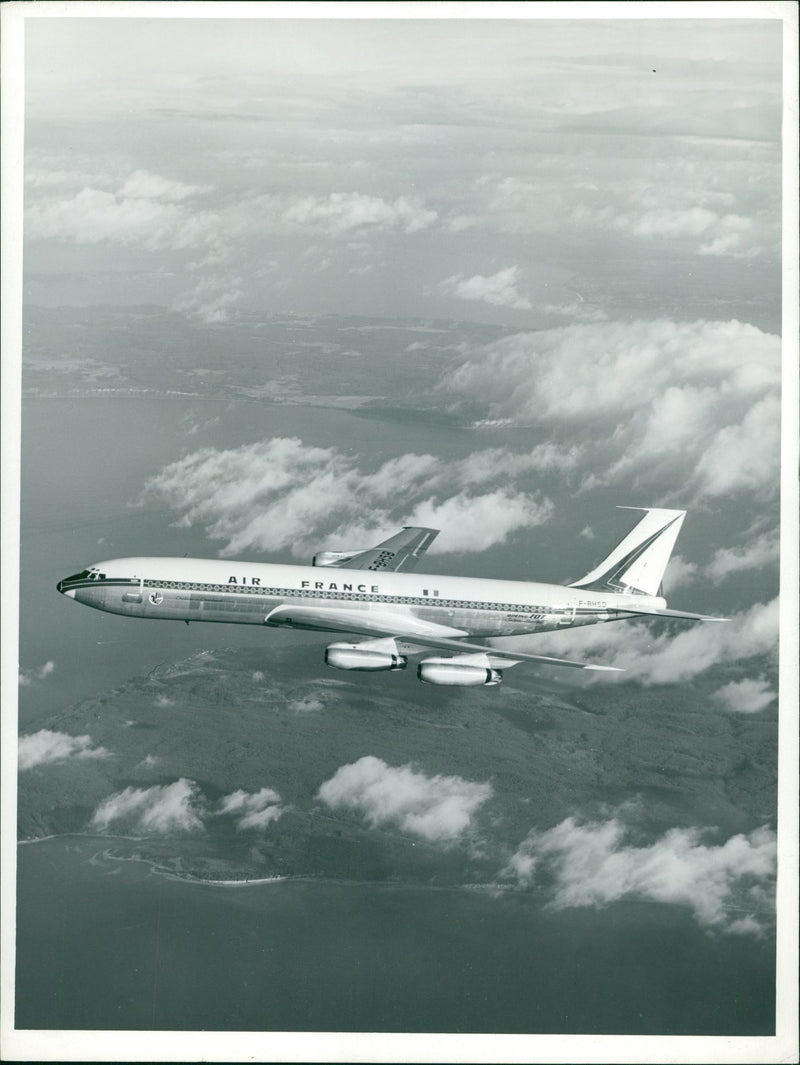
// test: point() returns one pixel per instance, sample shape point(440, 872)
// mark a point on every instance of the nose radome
point(60, 586)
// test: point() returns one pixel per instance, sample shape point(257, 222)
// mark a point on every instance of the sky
point(610, 189)
point(515, 171)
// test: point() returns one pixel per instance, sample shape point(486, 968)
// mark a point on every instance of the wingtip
point(607, 669)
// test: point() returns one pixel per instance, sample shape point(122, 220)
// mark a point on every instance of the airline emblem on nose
point(156, 598)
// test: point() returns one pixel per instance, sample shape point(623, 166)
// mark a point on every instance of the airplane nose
point(67, 586)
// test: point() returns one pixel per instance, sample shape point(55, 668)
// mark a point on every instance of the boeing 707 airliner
point(364, 593)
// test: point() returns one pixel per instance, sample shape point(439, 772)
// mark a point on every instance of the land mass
point(239, 720)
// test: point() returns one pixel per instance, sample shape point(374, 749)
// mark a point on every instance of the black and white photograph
point(399, 578)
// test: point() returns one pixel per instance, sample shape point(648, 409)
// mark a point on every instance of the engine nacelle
point(462, 674)
point(357, 656)
point(330, 558)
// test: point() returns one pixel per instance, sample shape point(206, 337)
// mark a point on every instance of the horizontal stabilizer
point(637, 564)
point(681, 615)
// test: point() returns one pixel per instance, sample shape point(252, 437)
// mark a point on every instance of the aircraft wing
point(400, 552)
point(414, 633)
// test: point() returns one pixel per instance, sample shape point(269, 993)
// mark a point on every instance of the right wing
point(414, 633)
point(401, 551)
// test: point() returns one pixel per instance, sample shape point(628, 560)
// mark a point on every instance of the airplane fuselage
point(187, 589)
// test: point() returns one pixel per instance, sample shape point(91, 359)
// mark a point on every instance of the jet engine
point(462, 674)
point(361, 656)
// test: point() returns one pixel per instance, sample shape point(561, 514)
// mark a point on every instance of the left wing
point(401, 551)
point(411, 632)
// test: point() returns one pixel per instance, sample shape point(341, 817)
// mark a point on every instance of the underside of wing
point(413, 635)
point(400, 552)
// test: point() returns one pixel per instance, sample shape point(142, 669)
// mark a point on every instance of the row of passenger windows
point(308, 593)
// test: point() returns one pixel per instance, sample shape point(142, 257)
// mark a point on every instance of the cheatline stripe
point(308, 593)
point(112, 582)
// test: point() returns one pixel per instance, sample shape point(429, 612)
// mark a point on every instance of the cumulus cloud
point(576, 370)
point(652, 657)
point(438, 809)
point(161, 809)
point(726, 561)
point(475, 523)
point(744, 455)
point(143, 185)
point(342, 213)
point(679, 571)
point(592, 864)
point(706, 231)
point(213, 299)
point(282, 493)
point(45, 746)
point(499, 289)
point(252, 809)
point(31, 676)
point(678, 205)
point(96, 216)
point(761, 552)
point(577, 310)
point(694, 404)
point(747, 696)
point(308, 704)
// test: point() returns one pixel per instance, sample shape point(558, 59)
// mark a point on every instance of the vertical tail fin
point(637, 564)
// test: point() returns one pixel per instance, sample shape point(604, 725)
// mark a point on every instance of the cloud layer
point(728, 887)
point(438, 809)
point(147, 212)
point(45, 746)
point(426, 154)
point(755, 554)
point(282, 493)
point(665, 658)
point(694, 405)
